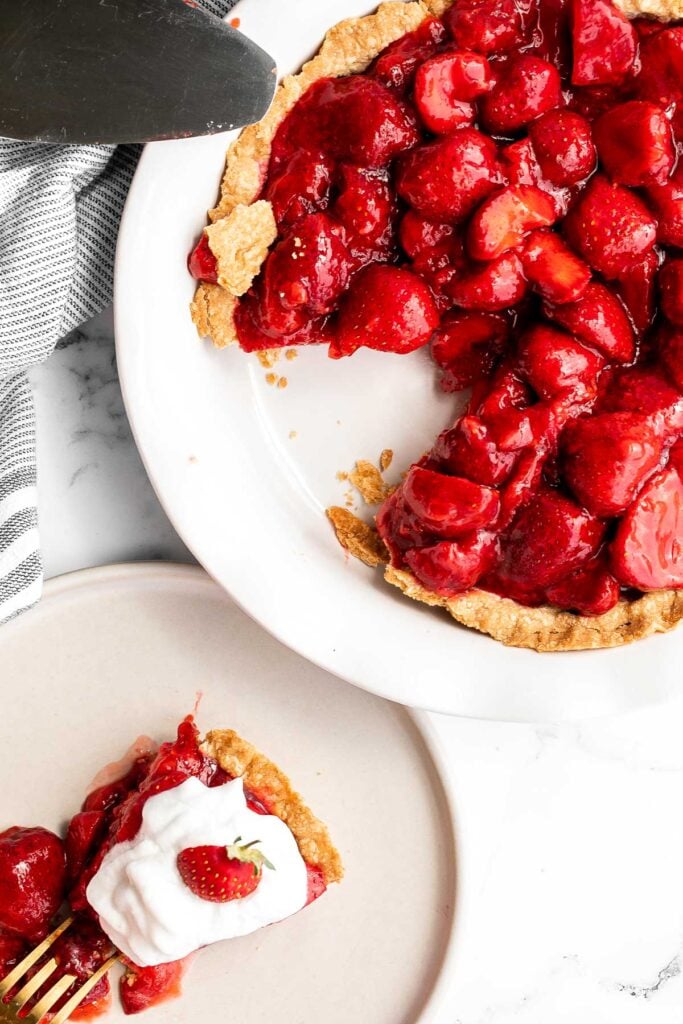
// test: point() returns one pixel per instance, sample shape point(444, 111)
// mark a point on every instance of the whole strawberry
point(32, 880)
point(222, 873)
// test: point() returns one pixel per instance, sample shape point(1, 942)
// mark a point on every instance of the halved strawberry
point(502, 220)
point(521, 167)
point(143, 987)
point(646, 551)
point(610, 227)
point(644, 390)
point(302, 187)
point(550, 538)
point(635, 143)
point(466, 346)
point(522, 485)
point(553, 362)
point(449, 506)
point(202, 263)
point(667, 202)
point(385, 308)
point(417, 234)
point(604, 43)
point(446, 179)
point(497, 285)
point(552, 269)
point(608, 457)
point(396, 65)
point(591, 590)
point(445, 87)
point(366, 208)
point(439, 266)
point(661, 75)
point(563, 143)
point(528, 87)
point(468, 449)
point(636, 286)
point(599, 319)
point(487, 26)
point(220, 874)
point(452, 566)
point(671, 290)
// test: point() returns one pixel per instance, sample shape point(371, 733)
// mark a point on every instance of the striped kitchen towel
point(60, 208)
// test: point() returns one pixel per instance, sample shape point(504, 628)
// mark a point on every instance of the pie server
point(86, 71)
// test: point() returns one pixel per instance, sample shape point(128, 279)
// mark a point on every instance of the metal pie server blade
point(90, 71)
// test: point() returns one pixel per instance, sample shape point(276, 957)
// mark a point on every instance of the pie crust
point(349, 47)
point(268, 783)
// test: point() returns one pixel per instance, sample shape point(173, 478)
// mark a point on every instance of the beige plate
point(112, 653)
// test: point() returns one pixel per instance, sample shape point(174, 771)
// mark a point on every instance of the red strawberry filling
point(503, 184)
point(39, 874)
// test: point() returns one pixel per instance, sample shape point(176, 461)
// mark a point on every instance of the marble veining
point(570, 837)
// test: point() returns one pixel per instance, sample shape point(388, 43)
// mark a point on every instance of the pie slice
point(497, 182)
point(193, 842)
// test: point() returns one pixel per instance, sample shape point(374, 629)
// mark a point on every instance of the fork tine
point(7, 983)
point(32, 986)
point(37, 1013)
point(82, 992)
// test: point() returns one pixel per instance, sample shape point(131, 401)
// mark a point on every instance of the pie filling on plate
point(498, 181)
point(151, 866)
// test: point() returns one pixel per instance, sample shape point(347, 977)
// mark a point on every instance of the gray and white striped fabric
point(60, 208)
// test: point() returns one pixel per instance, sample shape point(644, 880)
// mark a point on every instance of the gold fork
point(9, 1012)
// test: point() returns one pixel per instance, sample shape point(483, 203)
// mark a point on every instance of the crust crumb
point(357, 537)
point(240, 243)
point(271, 378)
point(291, 354)
point(367, 479)
point(268, 357)
point(385, 459)
point(213, 312)
point(292, 435)
point(283, 382)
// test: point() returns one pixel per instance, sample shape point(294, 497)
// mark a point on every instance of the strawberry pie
point(497, 182)
point(196, 842)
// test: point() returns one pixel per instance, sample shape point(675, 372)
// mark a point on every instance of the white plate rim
point(188, 576)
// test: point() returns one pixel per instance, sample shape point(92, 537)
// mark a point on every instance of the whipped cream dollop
point(142, 902)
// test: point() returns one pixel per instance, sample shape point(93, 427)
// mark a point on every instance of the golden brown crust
point(357, 537)
point(268, 783)
point(240, 243)
point(663, 10)
point(213, 311)
point(548, 629)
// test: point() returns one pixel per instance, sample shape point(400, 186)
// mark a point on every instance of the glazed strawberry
point(591, 590)
point(646, 550)
point(520, 489)
point(503, 220)
point(644, 390)
point(418, 235)
point(354, 118)
point(386, 308)
point(202, 263)
point(563, 144)
point(446, 179)
point(554, 362)
point(521, 167)
point(610, 227)
point(671, 355)
point(636, 286)
point(466, 346)
point(85, 832)
point(32, 880)
point(599, 319)
point(551, 537)
point(445, 87)
point(449, 506)
point(671, 290)
point(223, 873)
point(302, 187)
point(143, 987)
point(604, 43)
point(552, 269)
point(468, 449)
point(497, 285)
point(305, 273)
point(366, 208)
point(661, 76)
point(608, 457)
point(440, 266)
point(452, 566)
point(635, 143)
point(80, 952)
point(667, 202)
point(396, 66)
point(487, 26)
point(506, 391)
point(528, 87)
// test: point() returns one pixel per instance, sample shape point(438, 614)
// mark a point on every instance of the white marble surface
point(571, 838)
